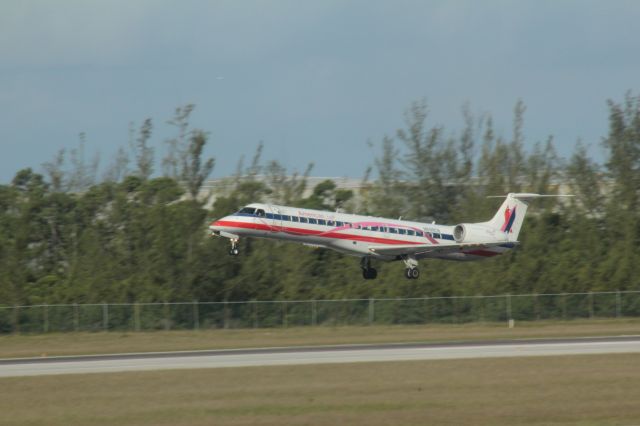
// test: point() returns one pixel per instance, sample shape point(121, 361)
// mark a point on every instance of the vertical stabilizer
point(510, 215)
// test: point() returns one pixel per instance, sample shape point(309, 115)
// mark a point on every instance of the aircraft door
point(262, 219)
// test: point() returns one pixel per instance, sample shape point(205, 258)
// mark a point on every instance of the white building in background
point(214, 188)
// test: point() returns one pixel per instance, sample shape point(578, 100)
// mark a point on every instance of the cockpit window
point(260, 213)
point(247, 210)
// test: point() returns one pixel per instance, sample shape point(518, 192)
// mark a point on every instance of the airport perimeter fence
point(264, 314)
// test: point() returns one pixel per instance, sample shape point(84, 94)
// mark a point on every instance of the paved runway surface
point(315, 355)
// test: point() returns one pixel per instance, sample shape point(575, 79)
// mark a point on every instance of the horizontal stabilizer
point(529, 196)
point(510, 216)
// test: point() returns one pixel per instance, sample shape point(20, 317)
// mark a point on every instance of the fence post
point(105, 316)
point(255, 313)
point(76, 317)
point(591, 312)
point(225, 314)
point(314, 313)
point(196, 316)
point(45, 319)
point(618, 304)
point(167, 326)
point(426, 309)
point(509, 313)
point(372, 311)
point(136, 316)
point(284, 314)
point(16, 319)
point(454, 309)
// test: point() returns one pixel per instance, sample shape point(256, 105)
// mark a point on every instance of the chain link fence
point(263, 314)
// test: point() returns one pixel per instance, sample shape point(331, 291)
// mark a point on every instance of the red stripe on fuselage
point(311, 232)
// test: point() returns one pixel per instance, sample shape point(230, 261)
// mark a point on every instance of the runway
point(315, 355)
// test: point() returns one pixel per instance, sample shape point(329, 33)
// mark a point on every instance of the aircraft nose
point(215, 226)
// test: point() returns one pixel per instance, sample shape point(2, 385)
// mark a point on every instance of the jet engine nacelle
point(475, 233)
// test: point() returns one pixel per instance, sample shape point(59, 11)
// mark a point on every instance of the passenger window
point(331, 223)
point(322, 222)
point(303, 220)
point(410, 232)
point(437, 236)
point(269, 215)
point(313, 221)
point(401, 231)
point(286, 217)
point(419, 233)
point(277, 217)
point(393, 230)
point(338, 223)
point(294, 218)
point(374, 228)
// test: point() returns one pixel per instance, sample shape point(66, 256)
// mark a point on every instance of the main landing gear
point(411, 272)
point(234, 247)
point(368, 273)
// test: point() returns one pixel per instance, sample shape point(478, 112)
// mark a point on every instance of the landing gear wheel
point(234, 248)
point(369, 273)
point(415, 273)
point(412, 273)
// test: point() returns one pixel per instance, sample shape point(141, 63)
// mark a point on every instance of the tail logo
point(509, 218)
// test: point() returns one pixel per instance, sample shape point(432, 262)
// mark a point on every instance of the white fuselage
point(347, 233)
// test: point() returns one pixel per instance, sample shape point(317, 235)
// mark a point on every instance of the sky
point(313, 80)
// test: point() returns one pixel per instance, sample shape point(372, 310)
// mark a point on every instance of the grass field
point(578, 390)
point(116, 342)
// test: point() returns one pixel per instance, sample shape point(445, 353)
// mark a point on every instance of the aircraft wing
point(418, 249)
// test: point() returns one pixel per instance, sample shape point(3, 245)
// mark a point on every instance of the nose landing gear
point(234, 247)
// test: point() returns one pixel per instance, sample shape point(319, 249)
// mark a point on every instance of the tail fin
point(510, 215)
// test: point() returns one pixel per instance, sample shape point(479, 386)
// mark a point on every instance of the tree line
point(138, 234)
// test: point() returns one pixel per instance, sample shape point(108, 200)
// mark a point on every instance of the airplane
point(380, 238)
